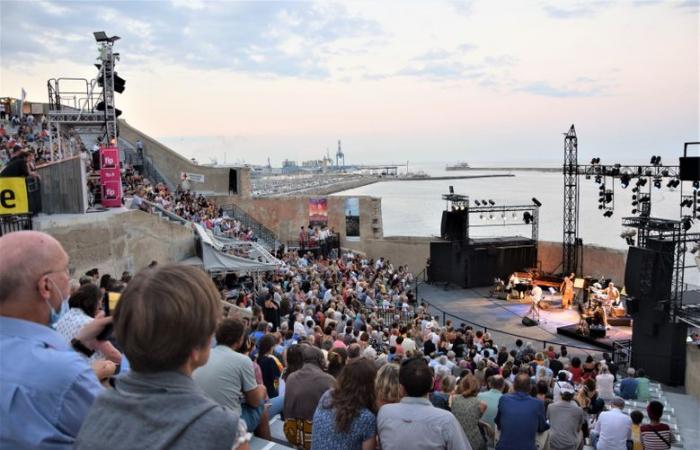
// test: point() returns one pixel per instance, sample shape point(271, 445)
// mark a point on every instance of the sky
point(420, 81)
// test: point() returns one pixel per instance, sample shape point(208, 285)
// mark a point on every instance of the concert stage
point(614, 334)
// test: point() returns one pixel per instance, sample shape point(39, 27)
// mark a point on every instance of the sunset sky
point(477, 81)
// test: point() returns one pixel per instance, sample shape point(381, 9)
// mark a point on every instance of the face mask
point(54, 315)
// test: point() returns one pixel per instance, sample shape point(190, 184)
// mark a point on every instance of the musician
point(567, 291)
point(535, 298)
point(613, 294)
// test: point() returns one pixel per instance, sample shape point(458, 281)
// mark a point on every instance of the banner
point(196, 177)
point(318, 212)
point(352, 219)
point(13, 196)
point(110, 177)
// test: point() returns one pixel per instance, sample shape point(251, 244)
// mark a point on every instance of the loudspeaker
point(648, 272)
point(659, 347)
point(453, 226)
point(632, 305)
point(689, 168)
point(529, 322)
point(232, 181)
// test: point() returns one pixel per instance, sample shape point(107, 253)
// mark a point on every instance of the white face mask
point(54, 315)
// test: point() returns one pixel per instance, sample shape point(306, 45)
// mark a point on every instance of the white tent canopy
point(224, 255)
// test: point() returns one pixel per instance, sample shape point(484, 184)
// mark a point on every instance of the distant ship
point(458, 166)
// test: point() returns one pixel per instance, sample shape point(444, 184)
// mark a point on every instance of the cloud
point(263, 38)
point(574, 11)
point(463, 7)
point(442, 70)
point(543, 88)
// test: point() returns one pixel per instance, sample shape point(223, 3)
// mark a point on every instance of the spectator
point(345, 416)
point(491, 398)
point(414, 422)
point(575, 369)
point(637, 418)
point(440, 398)
point(84, 307)
point(628, 386)
point(613, 428)
point(565, 419)
point(270, 366)
point(642, 386)
point(165, 341)
point(387, 385)
point(468, 410)
point(36, 362)
point(561, 383)
point(605, 382)
point(656, 435)
point(520, 417)
point(228, 377)
point(304, 389)
point(337, 357)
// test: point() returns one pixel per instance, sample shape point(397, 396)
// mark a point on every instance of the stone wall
point(285, 215)
point(171, 164)
point(597, 261)
point(400, 250)
point(118, 240)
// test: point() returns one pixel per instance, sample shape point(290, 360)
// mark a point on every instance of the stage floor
point(474, 305)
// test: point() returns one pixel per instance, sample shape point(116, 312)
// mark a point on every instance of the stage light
point(634, 211)
point(536, 202)
point(696, 185)
point(674, 183)
point(630, 241)
point(601, 206)
point(624, 181)
point(515, 215)
point(452, 189)
point(635, 189)
point(657, 183)
point(481, 216)
point(484, 202)
point(598, 179)
point(491, 202)
point(686, 203)
point(595, 161)
point(490, 216)
point(608, 213)
point(687, 223)
point(664, 173)
point(642, 182)
point(635, 203)
point(527, 217)
point(478, 203)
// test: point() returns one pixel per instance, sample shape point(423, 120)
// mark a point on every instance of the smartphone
point(106, 332)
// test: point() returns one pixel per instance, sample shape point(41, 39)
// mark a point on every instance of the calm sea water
point(414, 208)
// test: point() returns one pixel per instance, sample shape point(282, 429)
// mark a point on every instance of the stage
point(475, 305)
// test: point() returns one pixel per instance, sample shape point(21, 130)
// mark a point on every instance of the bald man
point(46, 386)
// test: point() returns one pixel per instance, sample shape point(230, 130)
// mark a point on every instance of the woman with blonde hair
point(468, 411)
point(387, 385)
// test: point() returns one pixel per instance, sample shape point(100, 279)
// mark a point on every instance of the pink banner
point(110, 177)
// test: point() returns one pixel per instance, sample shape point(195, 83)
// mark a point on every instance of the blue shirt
point(325, 436)
point(46, 388)
point(628, 388)
point(520, 417)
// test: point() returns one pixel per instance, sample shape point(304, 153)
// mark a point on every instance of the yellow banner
point(13, 196)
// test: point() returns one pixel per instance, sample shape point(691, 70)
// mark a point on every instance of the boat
point(458, 166)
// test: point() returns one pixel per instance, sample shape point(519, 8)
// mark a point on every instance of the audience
point(345, 416)
point(520, 417)
point(613, 428)
point(656, 435)
point(414, 422)
point(566, 419)
point(468, 410)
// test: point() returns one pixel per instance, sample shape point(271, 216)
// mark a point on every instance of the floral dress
point(467, 412)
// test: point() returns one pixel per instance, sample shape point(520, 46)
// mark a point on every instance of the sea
point(414, 208)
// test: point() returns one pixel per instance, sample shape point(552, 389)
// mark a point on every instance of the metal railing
point(265, 237)
point(20, 222)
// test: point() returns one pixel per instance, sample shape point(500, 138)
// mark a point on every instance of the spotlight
point(484, 202)
point(481, 216)
point(635, 189)
point(624, 180)
point(598, 179)
point(478, 203)
point(608, 213)
point(686, 203)
point(657, 183)
point(595, 161)
point(491, 202)
point(674, 183)
point(630, 241)
point(515, 215)
point(536, 202)
point(634, 211)
point(687, 223)
point(696, 185)
point(490, 216)
point(664, 173)
point(655, 160)
point(452, 189)
point(527, 217)
point(642, 182)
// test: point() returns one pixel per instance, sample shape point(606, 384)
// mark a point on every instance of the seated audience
point(165, 322)
point(468, 410)
point(387, 385)
point(656, 435)
point(345, 416)
point(613, 428)
point(520, 417)
point(414, 422)
point(565, 420)
point(628, 386)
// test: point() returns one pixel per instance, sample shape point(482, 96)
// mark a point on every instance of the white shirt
point(70, 324)
point(604, 385)
point(536, 294)
point(558, 385)
point(614, 428)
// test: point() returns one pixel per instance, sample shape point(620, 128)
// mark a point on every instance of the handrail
point(495, 330)
point(259, 230)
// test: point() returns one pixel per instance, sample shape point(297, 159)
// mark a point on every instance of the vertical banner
point(352, 219)
point(110, 177)
point(318, 212)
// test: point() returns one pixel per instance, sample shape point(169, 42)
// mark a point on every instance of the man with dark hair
point(228, 377)
point(656, 435)
point(520, 417)
point(305, 387)
point(414, 422)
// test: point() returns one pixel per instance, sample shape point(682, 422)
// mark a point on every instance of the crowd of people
point(337, 346)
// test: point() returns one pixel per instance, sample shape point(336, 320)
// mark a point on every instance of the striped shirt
point(653, 437)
